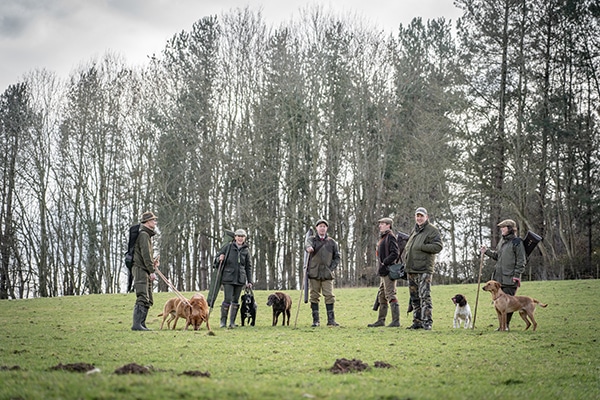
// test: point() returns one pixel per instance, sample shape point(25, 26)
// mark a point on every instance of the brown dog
point(505, 303)
point(197, 312)
point(172, 311)
point(282, 303)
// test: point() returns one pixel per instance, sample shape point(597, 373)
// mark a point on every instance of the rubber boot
point(144, 316)
point(508, 318)
point(330, 316)
point(383, 309)
point(138, 315)
point(315, 314)
point(224, 312)
point(395, 315)
point(233, 314)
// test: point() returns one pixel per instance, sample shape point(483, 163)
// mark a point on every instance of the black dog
point(282, 304)
point(248, 309)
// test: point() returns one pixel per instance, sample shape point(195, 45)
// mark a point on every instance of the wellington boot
point(139, 313)
point(395, 315)
point(331, 316)
point(233, 314)
point(383, 309)
point(144, 316)
point(315, 314)
point(224, 312)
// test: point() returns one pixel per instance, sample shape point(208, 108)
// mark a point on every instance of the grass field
point(561, 360)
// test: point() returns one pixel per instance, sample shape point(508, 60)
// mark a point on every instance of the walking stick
point(300, 299)
point(478, 285)
point(304, 286)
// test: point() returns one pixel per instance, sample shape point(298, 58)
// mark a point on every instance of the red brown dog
point(282, 304)
point(172, 311)
point(505, 303)
point(197, 312)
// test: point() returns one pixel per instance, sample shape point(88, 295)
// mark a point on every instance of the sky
point(60, 35)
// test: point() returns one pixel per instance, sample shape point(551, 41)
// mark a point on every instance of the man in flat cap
point(144, 264)
point(324, 258)
point(420, 252)
point(510, 260)
point(387, 253)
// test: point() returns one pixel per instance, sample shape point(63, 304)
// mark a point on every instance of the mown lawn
point(561, 360)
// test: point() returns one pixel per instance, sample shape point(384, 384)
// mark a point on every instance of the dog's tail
point(540, 303)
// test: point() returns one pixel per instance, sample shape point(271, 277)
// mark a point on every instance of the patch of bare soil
point(10, 368)
point(132, 368)
point(75, 367)
point(343, 366)
point(381, 364)
point(196, 373)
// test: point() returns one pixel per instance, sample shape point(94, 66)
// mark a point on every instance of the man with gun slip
point(387, 253)
point(324, 257)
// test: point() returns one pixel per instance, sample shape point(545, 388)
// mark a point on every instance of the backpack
point(134, 231)
point(401, 239)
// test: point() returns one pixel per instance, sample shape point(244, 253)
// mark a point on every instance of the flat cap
point(387, 220)
point(147, 216)
point(508, 223)
point(421, 210)
point(321, 221)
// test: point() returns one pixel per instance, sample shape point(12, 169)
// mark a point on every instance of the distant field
point(561, 360)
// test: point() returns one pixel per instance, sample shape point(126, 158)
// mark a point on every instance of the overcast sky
point(59, 35)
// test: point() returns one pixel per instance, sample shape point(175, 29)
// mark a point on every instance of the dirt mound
point(343, 365)
point(132, 368)
point(10, 368)
point(381, 364)
point(76, 367)
point(196, 373)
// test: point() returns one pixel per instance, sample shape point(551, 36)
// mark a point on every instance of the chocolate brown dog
point(505, 303)
point(282, 304)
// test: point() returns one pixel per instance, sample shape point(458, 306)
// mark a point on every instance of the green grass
point(561, 360)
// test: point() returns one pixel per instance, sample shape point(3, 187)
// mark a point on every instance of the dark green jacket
point(143, 252)
point(237, 267)
point(510, 260)
point(422, 246)
point(324, 259)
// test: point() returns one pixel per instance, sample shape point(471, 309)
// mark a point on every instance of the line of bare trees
point(239, 124)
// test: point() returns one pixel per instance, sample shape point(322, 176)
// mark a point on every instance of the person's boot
point(508, 318)
point(315, 314)
point(144, 316)
point(224, 312)
point(395, 315)
point(330, 315)
point(383, 309)
point(233, 314)
point(138, 315)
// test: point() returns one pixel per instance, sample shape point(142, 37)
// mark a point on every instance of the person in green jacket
point(237, 274)
point(510, 260)
point(144, 264)
point(420, 252)
point(324, 258)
